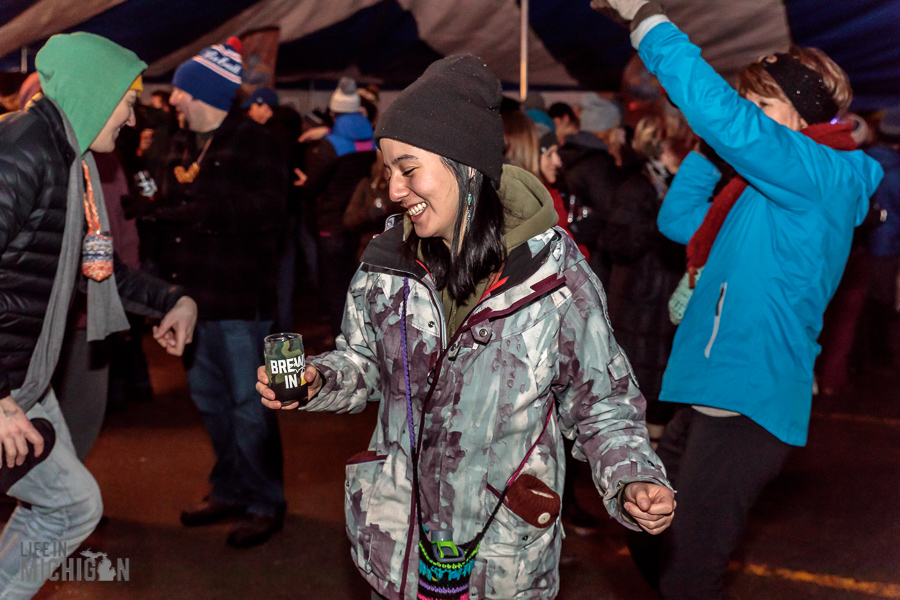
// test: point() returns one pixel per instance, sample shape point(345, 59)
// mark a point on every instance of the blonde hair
point(522, 148)
point(755, 78)
point(657, 133)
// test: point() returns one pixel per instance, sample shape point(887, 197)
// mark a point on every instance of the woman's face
point(778, 110)
point(551, 163)
point(424, 186)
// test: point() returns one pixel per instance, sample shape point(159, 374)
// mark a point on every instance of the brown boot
point(254, 530)
point(211, 511)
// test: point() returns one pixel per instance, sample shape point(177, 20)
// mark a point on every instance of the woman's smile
point(416, 209)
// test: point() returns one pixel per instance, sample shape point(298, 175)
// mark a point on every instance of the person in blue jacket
point(772, 247)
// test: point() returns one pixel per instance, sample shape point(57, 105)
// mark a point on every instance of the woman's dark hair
point(482, 251)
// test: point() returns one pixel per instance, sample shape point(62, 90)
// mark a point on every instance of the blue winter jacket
point(748, 339)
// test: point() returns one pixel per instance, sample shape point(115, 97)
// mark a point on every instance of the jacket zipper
point(715, 331)
point(541, 288)
point(435, 299)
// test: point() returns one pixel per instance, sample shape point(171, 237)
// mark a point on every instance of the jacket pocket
point(715, 332)
point(515, 559)
point(362, 476)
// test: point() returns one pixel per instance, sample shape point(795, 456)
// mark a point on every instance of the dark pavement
point(827, 529)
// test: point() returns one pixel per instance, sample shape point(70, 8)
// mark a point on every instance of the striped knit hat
point(214, 75)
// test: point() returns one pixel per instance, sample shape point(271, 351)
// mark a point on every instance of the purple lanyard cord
point(409, 414)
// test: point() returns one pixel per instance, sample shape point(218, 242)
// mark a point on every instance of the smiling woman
point(772, 245)
point(479, 328)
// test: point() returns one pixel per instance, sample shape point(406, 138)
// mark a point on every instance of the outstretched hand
point(177, 327)
point(652, 506)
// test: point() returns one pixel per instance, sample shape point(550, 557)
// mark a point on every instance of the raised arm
point(788, 167)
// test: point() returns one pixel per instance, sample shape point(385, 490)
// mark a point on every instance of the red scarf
point(834, 136)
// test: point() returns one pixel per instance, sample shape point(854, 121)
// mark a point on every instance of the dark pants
point(719, 466)
point(879, 311)
point(129, 376)
point(82, 378)
point(298, 242)
point(221, 370)
point(840, 322)
point(337, 253)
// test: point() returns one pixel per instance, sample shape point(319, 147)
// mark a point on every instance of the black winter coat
point(591, 175)
point(218, 235)
point(35, 158)
point(332, 181)
point(645, 272)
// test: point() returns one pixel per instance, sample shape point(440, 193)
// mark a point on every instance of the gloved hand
point(626, 9)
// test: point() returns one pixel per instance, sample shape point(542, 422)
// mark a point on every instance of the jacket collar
point(43, 108)
point(386, 251)
point(528, 263)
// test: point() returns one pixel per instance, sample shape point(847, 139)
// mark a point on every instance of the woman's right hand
point(310, 375)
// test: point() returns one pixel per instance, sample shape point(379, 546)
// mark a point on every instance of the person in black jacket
point(591, 176)
point(47, 177)
point(334, 166)
point(222, 193)
point(646, 266)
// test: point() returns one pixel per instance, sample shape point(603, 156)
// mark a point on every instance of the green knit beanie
point(87, 75)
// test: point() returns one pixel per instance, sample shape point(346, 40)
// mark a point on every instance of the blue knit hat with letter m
point(214, 75)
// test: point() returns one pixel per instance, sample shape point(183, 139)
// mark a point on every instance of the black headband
point(803, 87)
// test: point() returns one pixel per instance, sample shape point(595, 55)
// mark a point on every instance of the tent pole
point(523, 52)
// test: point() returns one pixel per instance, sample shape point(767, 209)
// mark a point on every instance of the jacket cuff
point(175, 293)
point(644, 12)
point(643, 27)
point(620, 500)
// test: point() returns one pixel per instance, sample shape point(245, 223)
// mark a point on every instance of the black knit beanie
point(453, 110)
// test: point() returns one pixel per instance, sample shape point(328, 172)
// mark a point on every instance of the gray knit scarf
point(104, 308)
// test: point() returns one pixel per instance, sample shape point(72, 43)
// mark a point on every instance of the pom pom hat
point(453, 110)
point(345, 98)
point(214, 75)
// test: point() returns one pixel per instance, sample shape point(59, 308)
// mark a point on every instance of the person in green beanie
point(50, 198)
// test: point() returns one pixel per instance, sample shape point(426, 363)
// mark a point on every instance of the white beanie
point(345, 98)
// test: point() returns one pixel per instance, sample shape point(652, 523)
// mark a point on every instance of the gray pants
point(65, 509)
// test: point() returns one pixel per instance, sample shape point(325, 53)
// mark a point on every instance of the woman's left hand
point(652, 506)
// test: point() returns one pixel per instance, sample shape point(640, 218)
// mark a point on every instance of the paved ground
point(827, 529)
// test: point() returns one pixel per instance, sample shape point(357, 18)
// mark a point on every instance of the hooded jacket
point(747, 342)
point(538, 343)
point(35, 158)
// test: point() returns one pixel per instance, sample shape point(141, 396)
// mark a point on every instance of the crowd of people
point(469, 256)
